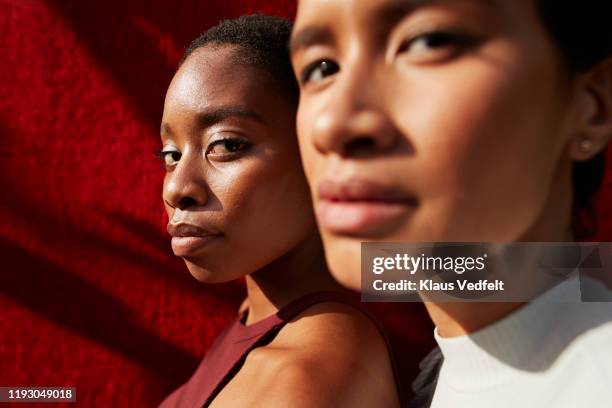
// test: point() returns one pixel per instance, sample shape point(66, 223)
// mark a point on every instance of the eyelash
point(305, 76)
point(448, 39)
point(242, 142)
point(161, 155)
point(440, 38)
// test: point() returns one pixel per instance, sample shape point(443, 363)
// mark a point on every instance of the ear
point(594, 113)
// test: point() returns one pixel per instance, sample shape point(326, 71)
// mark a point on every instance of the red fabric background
point(90, 294)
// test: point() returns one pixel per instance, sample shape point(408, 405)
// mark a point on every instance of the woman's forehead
point(214, 72)
point(380, 11)
point(328, 22)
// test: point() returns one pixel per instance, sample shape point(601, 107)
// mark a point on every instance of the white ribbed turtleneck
point(552, 352)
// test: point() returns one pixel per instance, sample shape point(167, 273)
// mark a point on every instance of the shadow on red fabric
point(90, 294)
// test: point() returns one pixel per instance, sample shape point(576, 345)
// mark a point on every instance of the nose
point(185, 185)
point(352, 122)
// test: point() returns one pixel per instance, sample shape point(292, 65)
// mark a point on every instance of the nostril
point(186, 202)
point(359, 145)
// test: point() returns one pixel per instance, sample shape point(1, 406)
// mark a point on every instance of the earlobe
point(594, 118)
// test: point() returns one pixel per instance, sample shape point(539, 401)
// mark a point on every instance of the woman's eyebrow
point(309, 36)
point(321, 34)
point(389, 13)
point(211, 116)
point(165, 129)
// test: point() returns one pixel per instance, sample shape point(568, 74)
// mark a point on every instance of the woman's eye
point(226, 147)
point(438, 43)
point(170, 157)
point(318, 71)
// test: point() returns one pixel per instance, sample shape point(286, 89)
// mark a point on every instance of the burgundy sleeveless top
point(230, 349)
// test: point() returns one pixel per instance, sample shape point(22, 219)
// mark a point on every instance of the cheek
point(169, 210)
point(266, 209)
point(343, 257)
point(308, 151)
point(484, 137)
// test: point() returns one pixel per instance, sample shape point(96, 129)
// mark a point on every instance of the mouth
point(188, 239)
point(362, 208)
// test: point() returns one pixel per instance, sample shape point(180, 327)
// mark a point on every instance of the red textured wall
point(90, 294)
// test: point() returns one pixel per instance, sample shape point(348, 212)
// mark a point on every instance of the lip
point(187, 239)
point(362, 207)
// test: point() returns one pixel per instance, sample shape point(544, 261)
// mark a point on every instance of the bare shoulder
point(329, 355)
point(335, 328)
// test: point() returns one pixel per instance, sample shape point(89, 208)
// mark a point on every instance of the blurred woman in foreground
point(465, 121)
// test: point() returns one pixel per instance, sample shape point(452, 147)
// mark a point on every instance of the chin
point(348, 280)
point(343, 257)
point(205, 275)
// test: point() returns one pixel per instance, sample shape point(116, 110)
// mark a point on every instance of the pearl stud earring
point(586, 145)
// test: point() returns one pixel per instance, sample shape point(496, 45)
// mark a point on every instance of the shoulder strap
point(299, 305)
point(292, 310)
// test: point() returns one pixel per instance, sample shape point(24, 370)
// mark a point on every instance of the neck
point(459, 319)
point(297, 273)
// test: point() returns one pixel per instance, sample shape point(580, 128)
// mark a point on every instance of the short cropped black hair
point(582, 33)
point(264, 43)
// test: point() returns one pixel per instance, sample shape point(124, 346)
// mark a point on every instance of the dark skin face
point(234, 191)
point(234, 176)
